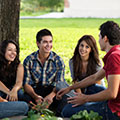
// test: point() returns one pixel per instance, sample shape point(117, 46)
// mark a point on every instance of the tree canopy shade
point(42, 5)
point(9, 20)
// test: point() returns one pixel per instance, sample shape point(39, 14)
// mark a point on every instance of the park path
point(49, 15)
point(21, 117)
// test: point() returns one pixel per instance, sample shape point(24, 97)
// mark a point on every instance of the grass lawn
point(66, 33)
point(22, 13)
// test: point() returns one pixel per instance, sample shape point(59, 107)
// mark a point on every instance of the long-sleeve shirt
point(48, 74)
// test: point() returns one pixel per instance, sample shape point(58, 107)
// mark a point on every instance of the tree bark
point(9, 20)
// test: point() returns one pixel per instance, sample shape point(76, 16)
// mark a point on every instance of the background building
point(92, 8)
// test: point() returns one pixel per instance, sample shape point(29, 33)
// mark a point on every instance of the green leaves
point(84, 115)
point(40, 112)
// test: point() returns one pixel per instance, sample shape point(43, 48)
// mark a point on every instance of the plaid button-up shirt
point(49, 74)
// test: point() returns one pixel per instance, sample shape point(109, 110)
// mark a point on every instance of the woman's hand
point(12, 95)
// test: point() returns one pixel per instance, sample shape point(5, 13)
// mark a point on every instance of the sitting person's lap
point(16, 108)
point(100, 107)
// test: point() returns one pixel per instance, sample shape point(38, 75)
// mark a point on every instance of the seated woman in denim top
point(85, 62)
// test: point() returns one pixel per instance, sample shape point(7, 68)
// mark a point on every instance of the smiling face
point(84, 49)
point(11, 52)
point(45, 44)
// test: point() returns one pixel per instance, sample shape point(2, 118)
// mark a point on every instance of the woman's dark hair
point(8, 71)
point(92, 61)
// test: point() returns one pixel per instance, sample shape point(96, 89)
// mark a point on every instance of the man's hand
point(48, 99)
point(62, 92)
point(77, 100)
point(38, 99)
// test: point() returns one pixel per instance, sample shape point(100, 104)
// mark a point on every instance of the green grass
point(66, 33)
point(22, 13)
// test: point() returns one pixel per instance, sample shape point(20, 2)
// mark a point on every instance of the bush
point(84, 115)
point(38, 5)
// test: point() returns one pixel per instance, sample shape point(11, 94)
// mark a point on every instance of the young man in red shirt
point(106, 102)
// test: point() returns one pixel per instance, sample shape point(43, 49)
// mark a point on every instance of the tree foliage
point(52, 5)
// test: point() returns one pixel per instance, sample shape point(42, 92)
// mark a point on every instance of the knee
point(65, 113)
point(60, 85)
point(25, 107)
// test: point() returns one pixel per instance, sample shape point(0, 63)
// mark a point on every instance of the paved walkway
point(49, 15)
point(21, 117)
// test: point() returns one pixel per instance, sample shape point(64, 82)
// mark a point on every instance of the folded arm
point(19, 80)
point(3, 88)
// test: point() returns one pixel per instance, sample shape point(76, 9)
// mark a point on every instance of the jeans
point(92, 89)
point(100, 107)
point(43, 91)
point(89, 90)
point(9, 109)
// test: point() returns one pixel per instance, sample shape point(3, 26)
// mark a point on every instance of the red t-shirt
point(112, 67)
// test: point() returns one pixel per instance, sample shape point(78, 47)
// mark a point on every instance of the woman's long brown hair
point(8, 72)
point(93, 60)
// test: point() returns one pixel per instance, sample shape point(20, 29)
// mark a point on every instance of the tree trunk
point(9, 20)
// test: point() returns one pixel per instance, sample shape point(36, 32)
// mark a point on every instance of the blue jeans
point(43, 91)
point(89, 90)
point(100, 107)
point(92, 89)
point(9, 109)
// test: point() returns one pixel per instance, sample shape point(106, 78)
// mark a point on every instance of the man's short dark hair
point(42, 33)
point(112, 31)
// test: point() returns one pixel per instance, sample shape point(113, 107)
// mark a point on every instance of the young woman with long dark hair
point(11, 79)
point(85, 62)
point(11, 71)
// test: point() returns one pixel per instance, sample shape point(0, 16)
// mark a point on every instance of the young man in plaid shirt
point(44, 71)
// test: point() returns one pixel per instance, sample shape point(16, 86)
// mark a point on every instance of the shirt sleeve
point(27, 75)
point(71, 68)
point(113, 64)
point(60, 72)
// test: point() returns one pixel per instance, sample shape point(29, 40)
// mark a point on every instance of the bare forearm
point(77, 90)
point(110, 93)
point(17, 86)
point(101, 96)
point(52, 94)
point(3, 88)
point(28, 89)
point(84, 83)
point(19, 78)
point(89, 80)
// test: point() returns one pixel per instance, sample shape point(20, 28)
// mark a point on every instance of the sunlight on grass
point(66, 33)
